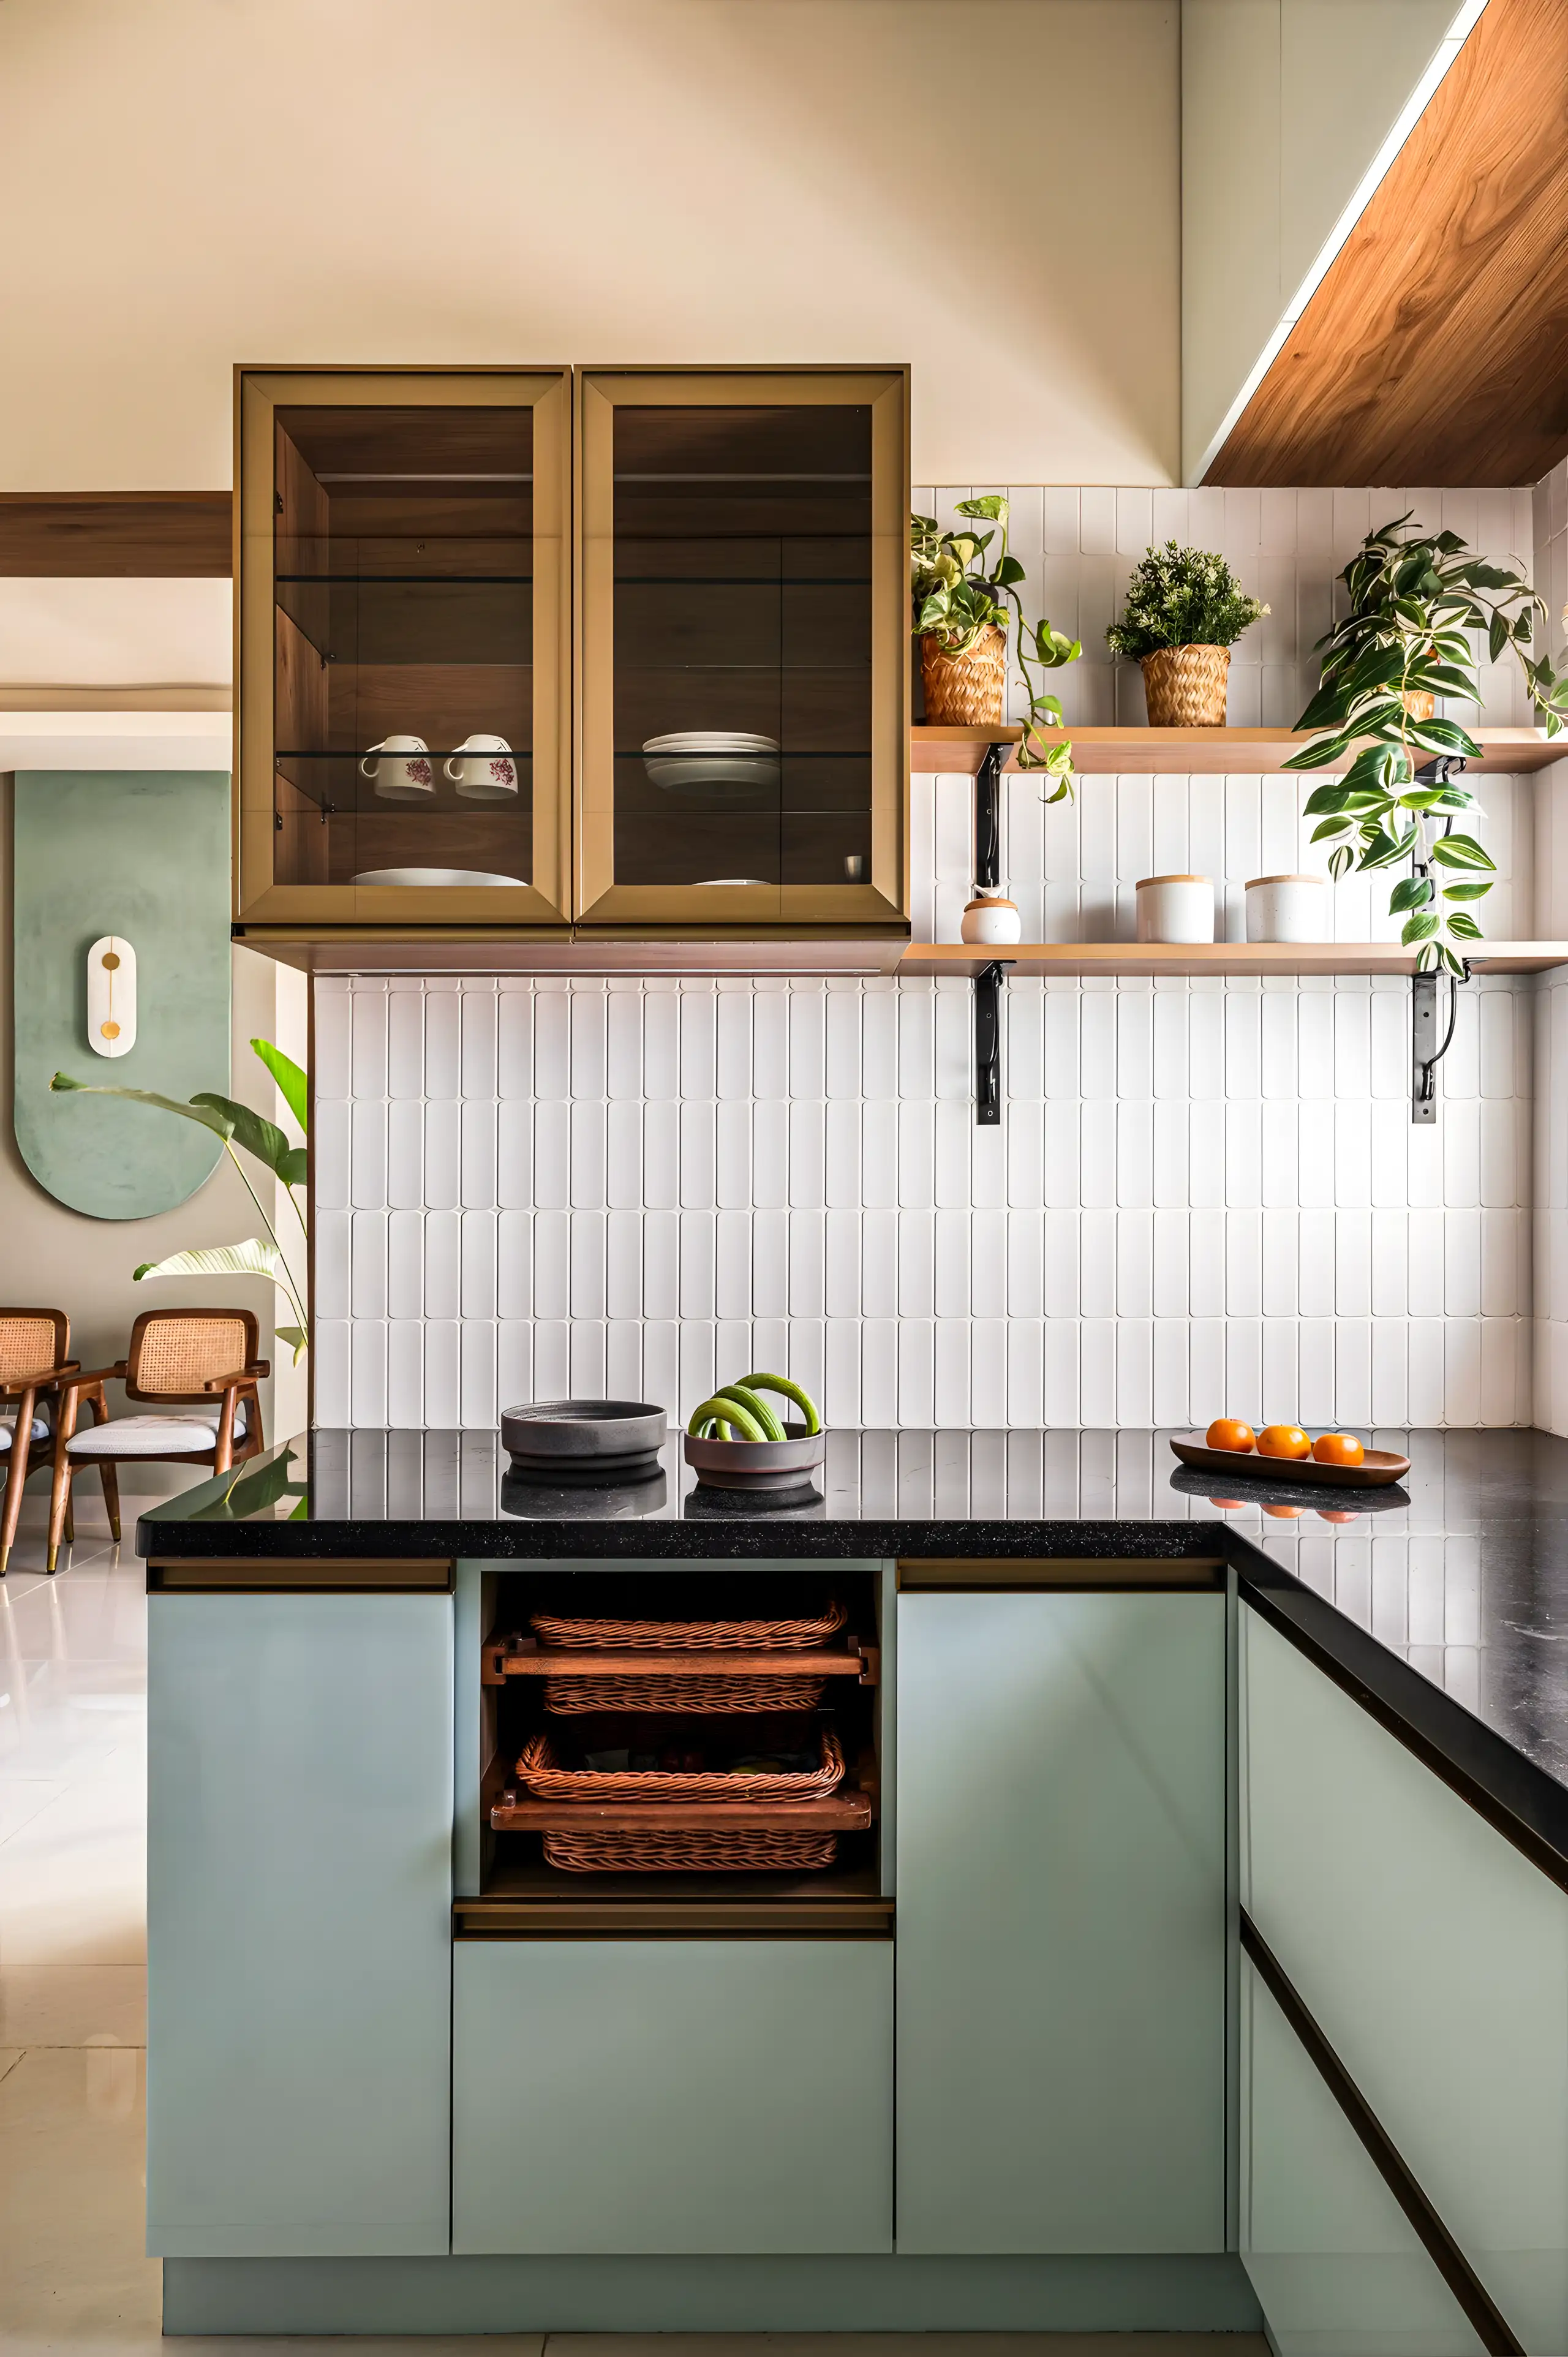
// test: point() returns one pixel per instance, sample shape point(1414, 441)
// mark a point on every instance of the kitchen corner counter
point(1443, 1604)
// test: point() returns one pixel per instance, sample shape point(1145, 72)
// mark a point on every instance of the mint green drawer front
point(675, 2096)
point(1062, 1923)
point(299, 1893)
point(1335, 2263)
point(1434, 1959)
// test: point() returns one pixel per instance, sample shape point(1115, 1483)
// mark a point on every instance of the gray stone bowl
point(583, 1437)
point(784, 1464)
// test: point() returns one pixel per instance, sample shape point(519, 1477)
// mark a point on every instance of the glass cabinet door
point(744, 648)
point(403, 654)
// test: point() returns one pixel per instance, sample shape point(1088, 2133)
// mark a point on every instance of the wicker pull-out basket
point(718, 1690)
point(760, 1840)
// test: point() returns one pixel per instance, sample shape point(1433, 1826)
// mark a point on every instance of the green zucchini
point(782, 1384)
point(758, 1409)
point(724, 1412)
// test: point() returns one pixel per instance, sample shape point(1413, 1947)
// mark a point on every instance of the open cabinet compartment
point(684, 1739)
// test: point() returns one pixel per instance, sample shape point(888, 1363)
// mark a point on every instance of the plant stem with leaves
point(1413, 602)
point(236, 1124)
point(956, 601)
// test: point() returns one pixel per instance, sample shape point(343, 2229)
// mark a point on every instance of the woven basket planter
point(1420, 703)
point(965, 691)
point(1185, 687)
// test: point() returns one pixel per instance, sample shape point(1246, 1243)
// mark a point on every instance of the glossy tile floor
point(73, 2007)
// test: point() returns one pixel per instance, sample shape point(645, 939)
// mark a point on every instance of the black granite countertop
point(1442, 1603)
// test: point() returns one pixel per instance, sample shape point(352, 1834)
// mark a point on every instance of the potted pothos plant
point(236, 1124)
point(1413, 601)
point(1183, 612)
point(966, 604)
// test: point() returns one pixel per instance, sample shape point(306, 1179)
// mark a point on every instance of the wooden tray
point(841, 1812)
point(1380, 1466)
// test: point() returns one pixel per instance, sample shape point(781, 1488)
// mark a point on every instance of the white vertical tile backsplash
point(1203, 1195)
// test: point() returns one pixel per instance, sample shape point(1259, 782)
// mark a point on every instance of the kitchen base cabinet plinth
point(299, 1895)
point(883, 2293)
point(1061, 1922)
point(672, 2096)
point(1336, 2265)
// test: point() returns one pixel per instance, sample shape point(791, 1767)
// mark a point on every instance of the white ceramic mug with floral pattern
point(402, 773)
point(482, 769)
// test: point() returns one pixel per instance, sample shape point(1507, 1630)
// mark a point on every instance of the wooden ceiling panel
point(1436, 350)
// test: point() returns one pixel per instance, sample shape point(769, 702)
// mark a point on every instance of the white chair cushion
point(8, 1426)
point(168, 1434)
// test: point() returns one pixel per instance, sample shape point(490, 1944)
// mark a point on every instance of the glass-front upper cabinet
point(403, 691)
point(743, 651)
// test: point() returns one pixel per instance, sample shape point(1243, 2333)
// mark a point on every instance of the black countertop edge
point(691, 1539)
point(1519, 1799)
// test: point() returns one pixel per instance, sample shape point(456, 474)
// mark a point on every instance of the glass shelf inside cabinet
point(403, 643)
point(742, 644)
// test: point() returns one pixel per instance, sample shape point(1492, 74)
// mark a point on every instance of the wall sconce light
point(111, 996)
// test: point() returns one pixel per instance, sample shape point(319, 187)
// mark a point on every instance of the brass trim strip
point(741, 1918)
point(319, 1575)
point(936, 1573)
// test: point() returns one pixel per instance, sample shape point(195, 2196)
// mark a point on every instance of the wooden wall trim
point(1435, 349)
point(141, 535)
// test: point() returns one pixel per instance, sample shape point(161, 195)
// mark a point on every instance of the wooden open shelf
point(525, 1659)
point(1185, 752)
point(844, 1812)
point(1040, 958)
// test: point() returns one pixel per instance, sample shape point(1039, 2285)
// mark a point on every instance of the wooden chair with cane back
point(34, 1346)
point(200, 1368)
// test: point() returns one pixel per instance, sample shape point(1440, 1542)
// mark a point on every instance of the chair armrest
point(78, 1382)
point(44, 1381)
point(241, 1375)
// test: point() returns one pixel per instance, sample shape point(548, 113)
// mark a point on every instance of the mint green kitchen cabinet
point(1336, 2265)
point(1061, 1815)
point(1432, 1956)
point(682, 2096)
point(299, 1908)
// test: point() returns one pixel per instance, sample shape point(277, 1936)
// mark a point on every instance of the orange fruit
point(1229, 1432)
point(1285, 1514)
point(1237, 1503)
point(1339, 1448)
point(1336, 1514)
point(1283, 1440)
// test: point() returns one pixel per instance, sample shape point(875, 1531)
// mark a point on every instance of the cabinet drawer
point(680, 2096)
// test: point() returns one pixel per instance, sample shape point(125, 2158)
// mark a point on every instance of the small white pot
point(1176, 908)
point(990, 920)
point(1288, 909)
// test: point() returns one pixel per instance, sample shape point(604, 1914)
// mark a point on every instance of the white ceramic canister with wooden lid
point(1176, 908)
point(1288, 909)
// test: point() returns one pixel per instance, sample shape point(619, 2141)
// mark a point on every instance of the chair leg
point(59, 1507)
point(111, 1493)
point(16, 1474)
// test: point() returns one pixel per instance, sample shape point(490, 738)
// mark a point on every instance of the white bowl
point(712, 777)
point(710, 740)
point(433, 876)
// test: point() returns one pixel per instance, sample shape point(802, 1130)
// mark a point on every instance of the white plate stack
point(712, 764)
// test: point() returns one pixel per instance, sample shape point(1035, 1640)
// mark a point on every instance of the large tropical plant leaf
point(258, 1135)
point(252, 1258)
point(292, 1086)
point(296, 1338)
point(207, 1115)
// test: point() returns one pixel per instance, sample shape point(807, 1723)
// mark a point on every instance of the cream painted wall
point(988, 190)
point(1286, 104)
point(60, 1259)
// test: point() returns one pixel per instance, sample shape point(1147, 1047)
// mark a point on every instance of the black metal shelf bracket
point(988, 1042)
point(1425, 1055)
point(988, 819)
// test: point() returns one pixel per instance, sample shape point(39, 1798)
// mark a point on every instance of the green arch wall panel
point(144, 854)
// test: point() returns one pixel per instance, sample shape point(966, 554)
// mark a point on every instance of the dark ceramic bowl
point(583, 1437)
point(756, 1464)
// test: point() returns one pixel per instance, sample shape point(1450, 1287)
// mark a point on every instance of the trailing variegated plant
point(236, 1124)
point(1405, 641)
point(957, 599)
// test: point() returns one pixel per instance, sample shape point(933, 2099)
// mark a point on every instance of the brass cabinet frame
point(258, 898)
point(597, 899)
